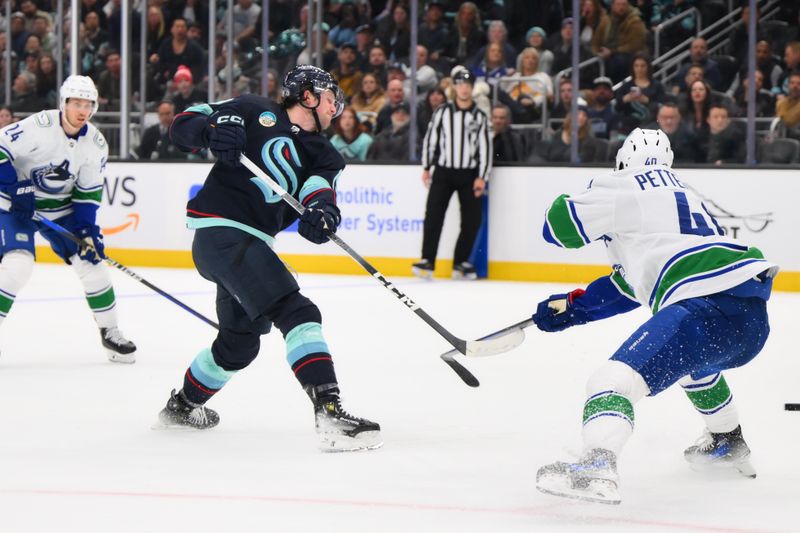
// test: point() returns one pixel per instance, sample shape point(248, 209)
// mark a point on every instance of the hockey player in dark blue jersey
point(236, 220)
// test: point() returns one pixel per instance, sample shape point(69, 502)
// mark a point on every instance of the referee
point(458, 144)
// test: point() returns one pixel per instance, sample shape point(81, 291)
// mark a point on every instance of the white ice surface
point(77, 453)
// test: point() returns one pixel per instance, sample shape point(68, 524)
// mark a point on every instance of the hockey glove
point(93, 249)
point(317, 222)
point(226, 137)
point(559, 312)
point(23, 203)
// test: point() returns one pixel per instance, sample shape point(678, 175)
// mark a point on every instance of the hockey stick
point(514, 334)
point(792, 406)
point(69, 235)
point(484, 347)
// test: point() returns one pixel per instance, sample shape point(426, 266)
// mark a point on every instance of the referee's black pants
point(444, 182)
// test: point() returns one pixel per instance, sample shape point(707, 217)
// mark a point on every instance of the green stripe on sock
point(5, 304)
point(610, 403)
point(711, 398)
point(102, 301)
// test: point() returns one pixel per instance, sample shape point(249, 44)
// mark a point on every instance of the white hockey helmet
point(644, 148)
point(78, 87)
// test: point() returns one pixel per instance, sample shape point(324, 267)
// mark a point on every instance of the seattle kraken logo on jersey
point(278, 155)
point(53, 179)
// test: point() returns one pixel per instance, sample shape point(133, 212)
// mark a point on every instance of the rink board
point(383, 208)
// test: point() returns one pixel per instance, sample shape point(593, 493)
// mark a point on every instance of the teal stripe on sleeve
point(312, 185)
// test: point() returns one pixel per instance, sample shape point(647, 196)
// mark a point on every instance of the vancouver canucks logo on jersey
point(279, 155)
point(267, 119)
point(52, 178)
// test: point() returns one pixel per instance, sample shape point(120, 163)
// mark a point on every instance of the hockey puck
point(792, 406)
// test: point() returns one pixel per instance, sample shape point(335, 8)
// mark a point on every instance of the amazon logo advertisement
point(120, 190)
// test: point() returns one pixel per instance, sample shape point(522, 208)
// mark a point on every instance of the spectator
point(625, 37)
point(427, 78)
point(346, 72)
point(557, 149)
point(175, 51)
point(594, 24)
point(395, 34)
point(272, 86)
point(638, 99)
point(245, 15)
point(532, 88)
point(682, 139)
point(369, 100)
point(739, 39)
point(18, 33)
point(507, 144)
point(788, 109)
point(156, 143)
point(24, 97)
point(350, 139)
point(562, 54)
point(42, 27)
point(521, 15)
point(466, 37)
point(696, 109)
point(535, 38)
point(765, 103)
point(328, 51)
point(433, 31)
point(493, 65)
point(673, 34)
point(391, 144)
point(377, 63)
point(694, 73)
point(156, 30)
point(425, 109)
point(497, 34)
point(186, 92)
point(365, 39)
point(345, 31)
point(108, 83)
point(603, 118)
point(562, 108)
point(462, 157)
point(698, 55)
point(6, 116)
point(395, 96)
point(726, 141)
point(791, 58)
point(29, 9)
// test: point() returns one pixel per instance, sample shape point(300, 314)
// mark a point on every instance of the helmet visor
point(338, 100)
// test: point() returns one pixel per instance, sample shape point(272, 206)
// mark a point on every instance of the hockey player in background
point(708, 296)
point(53, 163)
point(236, 219)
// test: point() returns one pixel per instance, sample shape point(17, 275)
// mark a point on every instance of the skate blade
point(744, 468)
point(368, 440)
point(422, 273)
point(124, 358)
point(465, 277)
point(597, 491)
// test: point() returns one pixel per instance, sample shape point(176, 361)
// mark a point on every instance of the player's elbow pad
point(188, 132)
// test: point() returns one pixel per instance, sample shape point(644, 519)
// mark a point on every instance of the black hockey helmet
point(310, 78)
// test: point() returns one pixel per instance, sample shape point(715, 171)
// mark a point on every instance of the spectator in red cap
point(186, 94)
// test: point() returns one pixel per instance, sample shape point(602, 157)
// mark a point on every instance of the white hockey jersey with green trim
point(665, 245)
point(37, 145)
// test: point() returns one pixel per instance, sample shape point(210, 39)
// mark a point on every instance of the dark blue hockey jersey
point(303, 163)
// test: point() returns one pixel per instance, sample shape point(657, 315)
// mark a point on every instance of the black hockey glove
point(92, 237)
point(226, 137)
point(23, 203)
point(317, 222)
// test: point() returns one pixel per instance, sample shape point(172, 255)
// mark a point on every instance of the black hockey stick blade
point(792, 406)
point(497, 342)
point(465, 375)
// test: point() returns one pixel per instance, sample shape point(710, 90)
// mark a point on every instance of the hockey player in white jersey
point(52, 163)
point(707, 293)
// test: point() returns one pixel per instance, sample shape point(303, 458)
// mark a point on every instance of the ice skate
point(338, 430)
point(119, 349)
point(721, 450)
point(593, 478)
point(181, 413)
point(423, 269)
point(464, 271)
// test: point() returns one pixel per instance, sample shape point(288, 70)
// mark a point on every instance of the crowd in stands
point(517, 50)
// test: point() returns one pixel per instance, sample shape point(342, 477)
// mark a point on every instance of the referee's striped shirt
point(458, 138)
